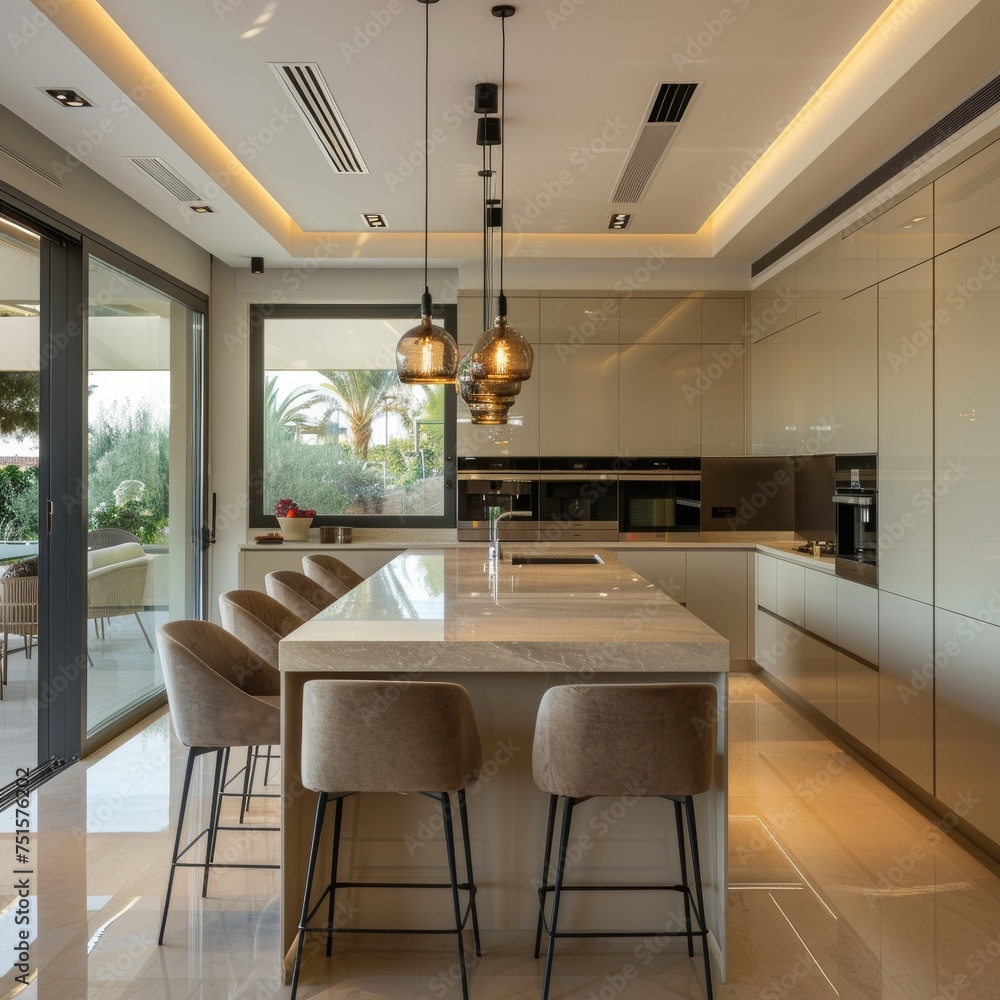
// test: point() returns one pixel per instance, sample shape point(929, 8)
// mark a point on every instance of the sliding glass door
point(144, 483)
point(20, 280)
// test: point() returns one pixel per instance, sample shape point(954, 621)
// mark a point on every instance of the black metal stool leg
point(311, 870)
point(192, 754)
point(464, 815)
point(696, 865)
point(213, 821)
point(338, 816)
point(449, 840)
point(247, 782)
point(546, 860)
point(682, 855)
point(560, 871)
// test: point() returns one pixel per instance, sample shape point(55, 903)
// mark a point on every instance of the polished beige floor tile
point(838, 888)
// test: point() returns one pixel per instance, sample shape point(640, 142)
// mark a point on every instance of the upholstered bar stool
point(645, 740)
point(259, 622)
point(383, 736)
point(302, 596)
point(221, 695)
point(331, 573)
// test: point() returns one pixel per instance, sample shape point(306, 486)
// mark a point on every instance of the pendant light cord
point(503, 148)
point(427, 101)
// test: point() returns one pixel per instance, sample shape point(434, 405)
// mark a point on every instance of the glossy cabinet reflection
point(660, 408)
point(665, 570)
point(906, 687)
point(967, 429)
point(661, 321)
point(717, 594)
point(905, 233)
point(967, 199)
point(578, 411)
point(906, 433)
point(855, 373)
point(967, 708)
point(579, 320)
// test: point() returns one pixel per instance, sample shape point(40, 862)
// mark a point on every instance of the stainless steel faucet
point(495, 554)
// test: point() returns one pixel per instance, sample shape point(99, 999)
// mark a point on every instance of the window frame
point(446, 315)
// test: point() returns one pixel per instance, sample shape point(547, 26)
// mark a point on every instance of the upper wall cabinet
point(661, 404)
point(809, 288)
point(661, 321)
point(967, 200)
point(855, 373)
point(723, 320)
point(906, 433)
point(578, 320)
point(522, 315)
point(906, 234)
point(579, 399)
point(858, 254)
point(723, 400)
point(966, 422)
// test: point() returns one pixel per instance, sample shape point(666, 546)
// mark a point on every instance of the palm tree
point(288, 415)
point(364, 396)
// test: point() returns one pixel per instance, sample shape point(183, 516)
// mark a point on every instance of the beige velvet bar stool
point(331, 573)
point(259, 622)
point(644, 740)
point(302, 596)
point(385, 736)
point(221, 695)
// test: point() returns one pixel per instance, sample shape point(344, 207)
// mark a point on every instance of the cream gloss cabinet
point(906, 433)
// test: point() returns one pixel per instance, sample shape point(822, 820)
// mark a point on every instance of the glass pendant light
point(426, 354)
point(501, 354)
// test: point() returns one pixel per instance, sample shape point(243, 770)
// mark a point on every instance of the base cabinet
point(857, 700)
point(717, 591)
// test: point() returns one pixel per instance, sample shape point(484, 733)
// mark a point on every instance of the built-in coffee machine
point(487, 487)
point(856, 499)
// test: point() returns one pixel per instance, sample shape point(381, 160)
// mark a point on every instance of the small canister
point(328, 534)
point(343, 536)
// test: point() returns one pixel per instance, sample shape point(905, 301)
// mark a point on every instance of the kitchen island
point(506, 631)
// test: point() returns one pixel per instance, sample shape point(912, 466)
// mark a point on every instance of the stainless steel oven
point(658, 498)
point(492, 485)
point(578, 506)
point(856, 500)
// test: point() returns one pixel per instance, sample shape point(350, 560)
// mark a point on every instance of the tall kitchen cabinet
point(577, 367)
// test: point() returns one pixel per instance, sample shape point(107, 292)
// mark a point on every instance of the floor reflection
point(838, 888)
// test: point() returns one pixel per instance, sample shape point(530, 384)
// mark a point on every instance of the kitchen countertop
point(444, 609)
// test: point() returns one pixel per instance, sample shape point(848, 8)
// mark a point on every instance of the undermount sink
point(555, 560)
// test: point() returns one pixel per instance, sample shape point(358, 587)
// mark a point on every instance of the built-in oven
point(488, 486)
point(579, 507)
point(659, 498)
point(856, 501)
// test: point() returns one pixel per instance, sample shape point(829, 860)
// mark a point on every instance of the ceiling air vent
point(669, 103)
point(160, 171)
point(307, 88)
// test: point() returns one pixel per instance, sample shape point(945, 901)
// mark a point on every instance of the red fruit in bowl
point(307, 513)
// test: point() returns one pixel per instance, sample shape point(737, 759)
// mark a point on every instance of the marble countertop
point(446, 609)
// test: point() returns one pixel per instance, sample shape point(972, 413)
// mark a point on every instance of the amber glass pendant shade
point(488, 402)
point(426, 355)
point(501, 354)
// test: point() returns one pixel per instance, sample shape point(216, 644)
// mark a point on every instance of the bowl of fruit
point(293, 520)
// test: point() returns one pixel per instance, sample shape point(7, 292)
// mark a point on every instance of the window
point(333, 429)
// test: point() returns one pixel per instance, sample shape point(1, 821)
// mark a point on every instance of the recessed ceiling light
point(68, 98)
point(619, 220)
point(375, 220)
point(202, 209)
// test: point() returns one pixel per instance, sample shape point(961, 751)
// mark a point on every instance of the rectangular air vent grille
point(308, 89)
point(671, 102)
point(156, 168)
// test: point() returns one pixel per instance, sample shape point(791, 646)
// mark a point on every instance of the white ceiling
point(580, 75)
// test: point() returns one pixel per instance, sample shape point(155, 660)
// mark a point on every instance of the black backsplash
point(769, 493)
